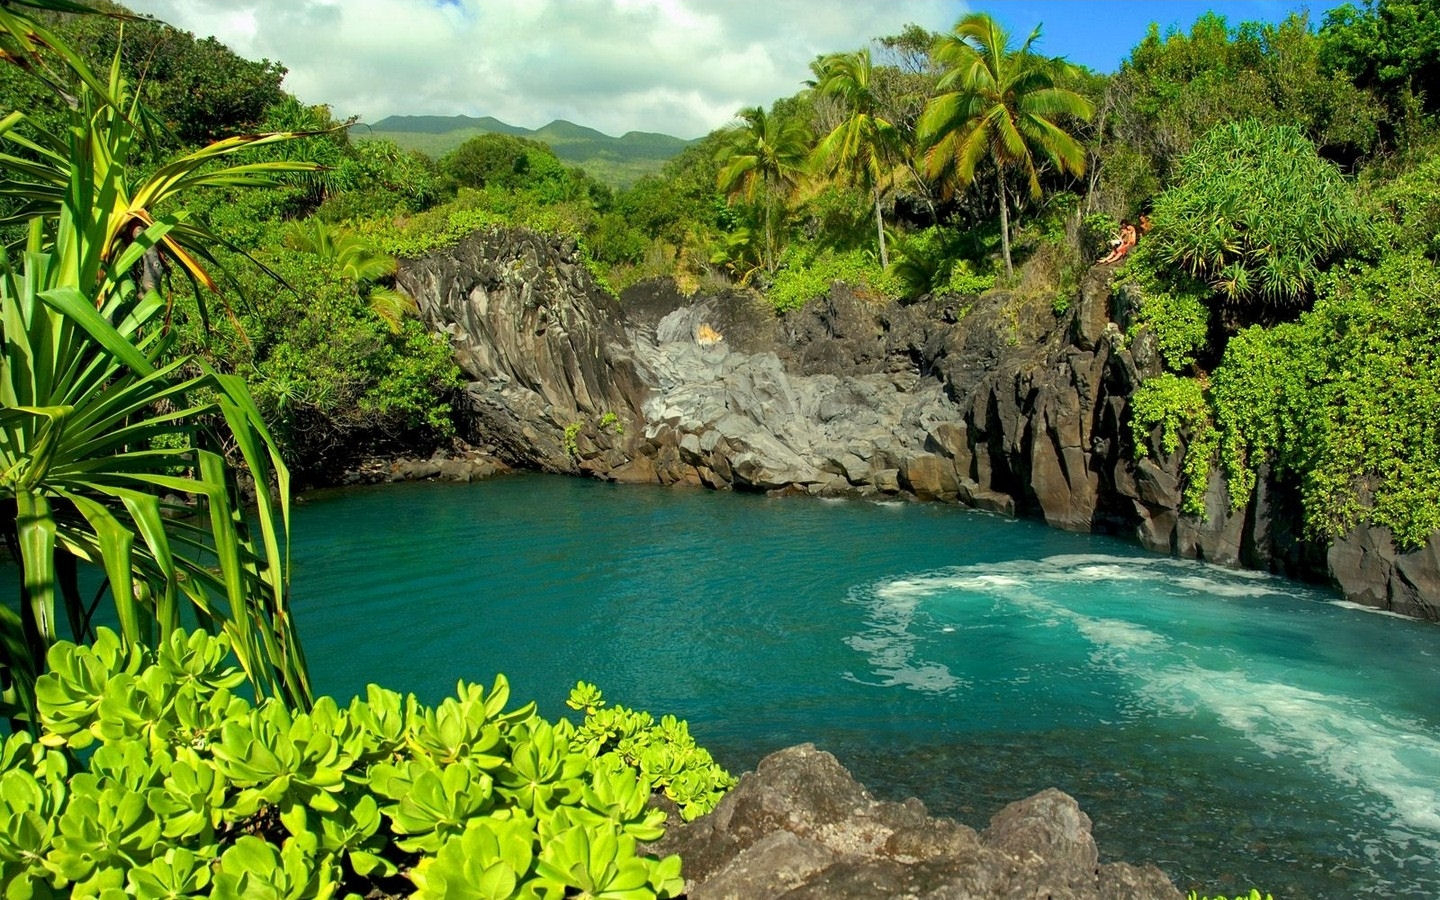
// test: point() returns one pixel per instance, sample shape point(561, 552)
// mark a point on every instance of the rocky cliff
point(994, 402)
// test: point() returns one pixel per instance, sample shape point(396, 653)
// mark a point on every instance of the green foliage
point(933, 261)
point(191, 790)
point(761, 161)
point(1001, 105)
point(806, 274)
point(865, 149)
point(335, 371)
point(1257, 214)
point(1392, 46)
point(1180, 409)
point(1408, 206)
point(1344, 400)
point(1253, 895)
point(100, 424)
point(966, 282)
point(1173, 310)
point(509, 163)
point(1178, 87)
point(662, 752)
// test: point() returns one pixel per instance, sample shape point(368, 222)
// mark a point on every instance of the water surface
point(1234, 728)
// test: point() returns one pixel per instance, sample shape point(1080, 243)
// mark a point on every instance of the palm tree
point(763, 158)
point(1000, 104)
point(865, 148)
point(359, 261)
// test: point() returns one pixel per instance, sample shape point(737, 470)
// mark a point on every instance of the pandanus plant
point(112, 449)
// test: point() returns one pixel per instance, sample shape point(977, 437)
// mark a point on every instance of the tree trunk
point(769, 237)
point(880, 230)
point(1005, 228)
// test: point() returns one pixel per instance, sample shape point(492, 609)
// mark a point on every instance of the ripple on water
point(1382, 765)
point(1233, 728)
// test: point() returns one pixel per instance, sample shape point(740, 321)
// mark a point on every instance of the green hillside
point(618, 162)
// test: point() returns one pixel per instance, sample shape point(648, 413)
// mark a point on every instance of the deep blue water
point(1233, 728)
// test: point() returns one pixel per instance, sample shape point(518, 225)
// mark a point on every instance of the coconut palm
point(763, 159)
point(865, 149)
point(998, 104)
point(106, 456)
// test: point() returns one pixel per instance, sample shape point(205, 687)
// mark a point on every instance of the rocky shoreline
point(800, 826)
point(995, 402)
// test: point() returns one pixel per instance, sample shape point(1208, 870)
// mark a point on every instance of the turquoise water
point(1233, 728)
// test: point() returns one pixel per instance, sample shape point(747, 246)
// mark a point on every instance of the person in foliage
point(1123, 244)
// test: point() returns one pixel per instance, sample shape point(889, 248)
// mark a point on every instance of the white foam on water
point(1360, 607)
point(890, 643)
point(1353, 741)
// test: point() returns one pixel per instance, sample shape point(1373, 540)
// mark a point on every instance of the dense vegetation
point(196, 289)
point(149, 778)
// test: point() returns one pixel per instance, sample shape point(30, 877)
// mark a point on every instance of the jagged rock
point(801, 826)
point(992, 402)
point(544, 345)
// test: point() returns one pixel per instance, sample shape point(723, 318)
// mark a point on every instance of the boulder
point(801, 826)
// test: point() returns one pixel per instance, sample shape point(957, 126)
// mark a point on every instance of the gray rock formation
point(544, 346)
point(992, 402)
point(800, 826)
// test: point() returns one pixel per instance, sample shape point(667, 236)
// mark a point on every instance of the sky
point(680, 67)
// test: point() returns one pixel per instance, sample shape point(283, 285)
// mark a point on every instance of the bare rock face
point(544, 346)
point(991, 401)
point(800, 826)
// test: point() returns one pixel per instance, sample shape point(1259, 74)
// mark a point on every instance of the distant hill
point(618, 162)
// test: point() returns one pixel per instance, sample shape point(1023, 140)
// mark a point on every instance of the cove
point(1234, 728)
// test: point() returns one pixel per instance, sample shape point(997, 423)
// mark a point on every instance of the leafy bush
point(933, 260)
point(1344, 400)
point(330, 375)
point(152, 778)
point(1253, 895)
point(805, 275)
point(1179, 408)
point(1172, 308)
point(966, 282)
point(1258, 214)
point(1409, 205)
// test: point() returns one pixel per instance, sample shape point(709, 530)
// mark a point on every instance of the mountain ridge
point(618, 161)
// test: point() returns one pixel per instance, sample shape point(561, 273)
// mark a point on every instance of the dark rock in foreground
point(800, 826)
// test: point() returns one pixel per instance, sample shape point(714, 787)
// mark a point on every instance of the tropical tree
point(106, 456)
point(865, 149)
point(762, 160)
point(359, 261)
point(1002, 105)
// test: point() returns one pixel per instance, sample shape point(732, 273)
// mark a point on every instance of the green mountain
point(615, 161)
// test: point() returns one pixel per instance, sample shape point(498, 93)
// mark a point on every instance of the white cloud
point(682, 67)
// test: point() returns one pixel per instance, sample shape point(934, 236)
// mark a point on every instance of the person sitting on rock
point(1128, 236)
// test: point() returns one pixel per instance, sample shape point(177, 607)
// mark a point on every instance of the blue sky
point(1101, 33)
point(682, 67)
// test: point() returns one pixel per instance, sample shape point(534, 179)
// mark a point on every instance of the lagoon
point(1234, 728)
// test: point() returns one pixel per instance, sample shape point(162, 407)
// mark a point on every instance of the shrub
point(150, 777)
point(1344, 400)
point(1181, 410)
point(805, 275)
point(1258, 214)
point(1172, 308)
